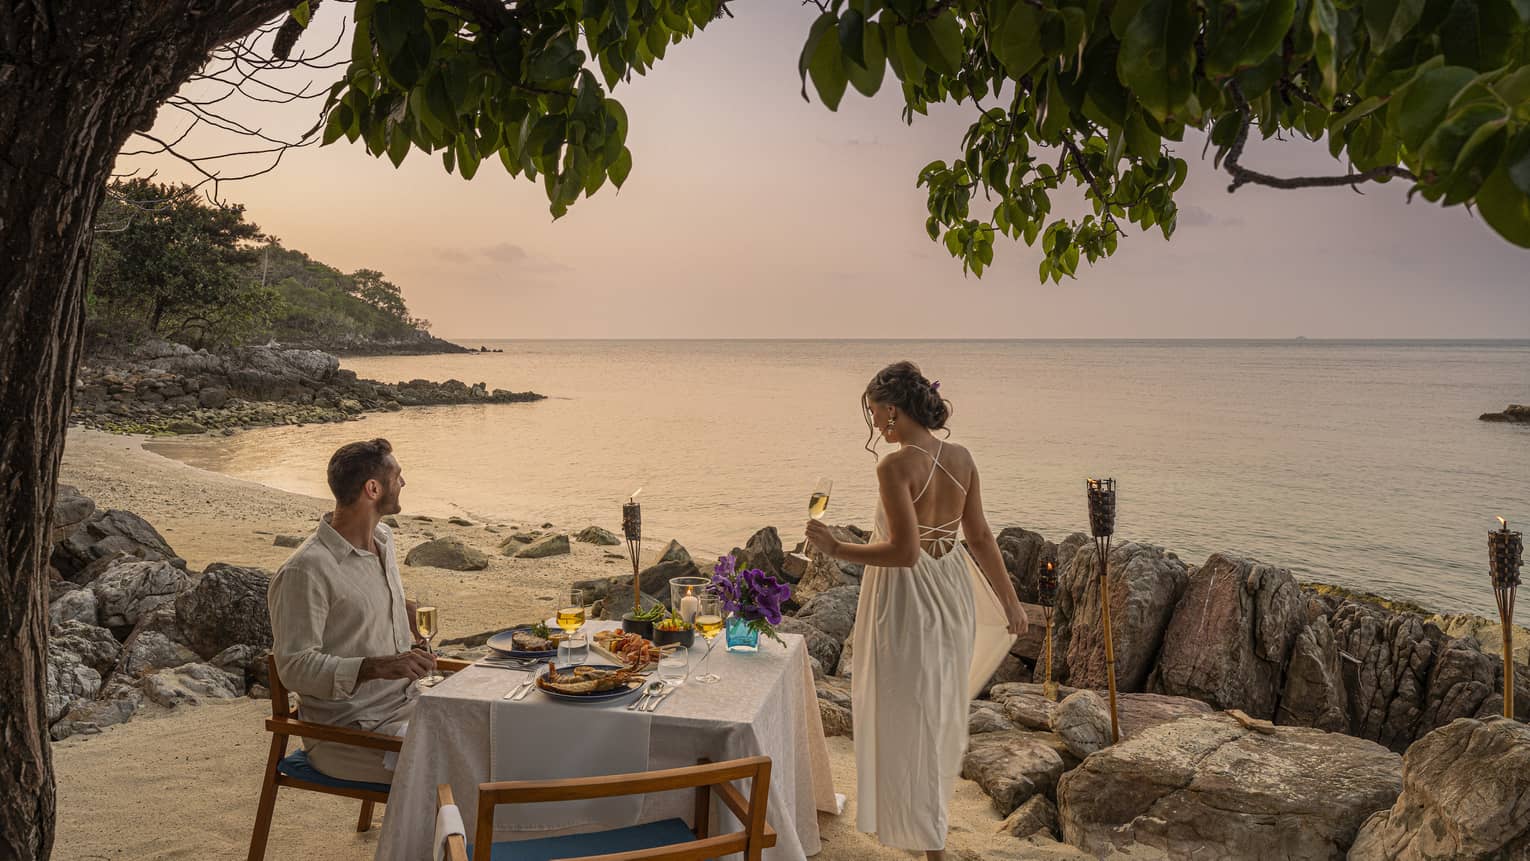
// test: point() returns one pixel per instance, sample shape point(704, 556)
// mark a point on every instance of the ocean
point(1361, 464)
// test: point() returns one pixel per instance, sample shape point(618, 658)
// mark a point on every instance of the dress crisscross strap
point(943, 537)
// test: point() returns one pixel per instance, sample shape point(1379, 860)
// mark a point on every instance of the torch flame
point(633, 497)
point(1503, 524)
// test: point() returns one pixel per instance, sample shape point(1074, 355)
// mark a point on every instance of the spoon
point(654, 689)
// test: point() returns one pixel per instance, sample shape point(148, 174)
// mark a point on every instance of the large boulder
point(1024, 552)
point(249, 662)
point(226, 607)
point(555, 544)
point(104, 534)
point(130, 590)
point(1231, 636)
point(190, 685)
point(822, 573)
point(763, 551)
point(674, 551)
point(1027, 705)
point(70, 509)
point(1082, 719)
point(83, 643)
point(1465, 795)
point(1386, 670)
point(653, 581)
point(1036, 816)
point(1145, 584)
point(832, 611)
point(449, 553)
point(1012, 766)
point(1314, 690)
point(598, 536)
point(820, 645)
point(76, 604)
point(1210, 787)
point(69, 683)
point(115, 704)
point(151, 650)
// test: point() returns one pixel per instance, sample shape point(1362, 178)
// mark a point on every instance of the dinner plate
point(603, 697)
point(502, 644)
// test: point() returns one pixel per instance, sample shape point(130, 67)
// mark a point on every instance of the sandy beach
point(183, 783)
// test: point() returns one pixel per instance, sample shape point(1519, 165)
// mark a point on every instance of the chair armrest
point(325, 732)
point(606, 786)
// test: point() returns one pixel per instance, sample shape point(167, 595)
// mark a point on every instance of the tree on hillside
point(1077, 93)
point(167, 262)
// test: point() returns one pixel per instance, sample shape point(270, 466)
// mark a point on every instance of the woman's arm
point(901, 549)
point(985, 550)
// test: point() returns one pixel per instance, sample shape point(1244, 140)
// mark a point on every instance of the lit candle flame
point(633, 497)
point(1503, 524)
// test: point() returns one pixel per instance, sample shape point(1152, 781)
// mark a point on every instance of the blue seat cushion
point(296, 765)
point(595, 843)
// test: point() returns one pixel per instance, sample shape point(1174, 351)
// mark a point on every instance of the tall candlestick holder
point(1046, 590)
point(1102, 525)
point(1505, 555)
point(632, 530)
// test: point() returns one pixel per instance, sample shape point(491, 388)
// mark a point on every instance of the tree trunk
point(75, 80)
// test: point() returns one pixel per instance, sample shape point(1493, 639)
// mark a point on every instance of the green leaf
point(399, 146)
point(1388, 21)
point(1477, 33)
point(1157, 58)
point(827, 69)
point(1245, 32)
point(867, 78)
point(1324, 24)
point(1517, 161)
point(938, 43)
point(1418, 109)
point(852, 36)
point(820, 30)
point(1017, 44)
point(620, 168)
point(1505, 207)
point(301, 13)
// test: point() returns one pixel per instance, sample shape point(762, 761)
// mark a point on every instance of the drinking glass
point(709, 623)
point(674, 667)
point(818, 505)
point(574, 649)
point(571, 613)
point(428, 619)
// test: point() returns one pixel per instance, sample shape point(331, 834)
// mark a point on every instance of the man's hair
point(353, 465)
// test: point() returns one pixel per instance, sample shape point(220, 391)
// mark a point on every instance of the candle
point(688, 607)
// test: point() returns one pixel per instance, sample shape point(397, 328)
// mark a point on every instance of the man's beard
point(389, 504)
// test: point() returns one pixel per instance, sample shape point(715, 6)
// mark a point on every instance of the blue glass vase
point(741, 637)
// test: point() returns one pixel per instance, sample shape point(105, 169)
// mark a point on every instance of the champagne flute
point(709, 622)
point(571, 614)
point(427, 619)
point(818, 505)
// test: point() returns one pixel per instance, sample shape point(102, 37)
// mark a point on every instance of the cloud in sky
point(750, 213)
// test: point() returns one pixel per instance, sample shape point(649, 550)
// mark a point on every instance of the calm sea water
point(1356, 463)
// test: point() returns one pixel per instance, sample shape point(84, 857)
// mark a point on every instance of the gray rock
point(1385, 671)
point(247, 662)
point(78, 605)
point(1231, 636)
point(191, 684)
point(832, 611)
point(1083, 721)
point(288, 541)
point(151, 650)
point(390, 521)
point(105, 534)
point(652, 581)
point(548, 545)
point(987, 716)
point(1036, 816)
point(1314, 693)
point(823, 573)
point(1023, 552)
point(1145, 584)
point(70, 509)
point(113, 706)
point(819, 644)
point(226, 607)
point(1210, 787)
point(1465, 795)
point(449, 553)
point(763, 551)
point(212, 397)
point(597, 536)
point(129, 590)
point(84, 643)
point(1012, 766)
point(69, 682)
point(1026, 705)
point(185, 427)
point(459, 521)
point(837, 719)
point(1012, 669)
point(674, 551)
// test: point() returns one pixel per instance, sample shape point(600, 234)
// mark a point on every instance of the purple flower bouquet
point(751, 595)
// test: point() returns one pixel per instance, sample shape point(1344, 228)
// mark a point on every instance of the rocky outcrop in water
point(1514, 413)
point(159, 386)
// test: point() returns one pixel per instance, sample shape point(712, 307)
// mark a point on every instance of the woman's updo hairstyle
point(901, 385)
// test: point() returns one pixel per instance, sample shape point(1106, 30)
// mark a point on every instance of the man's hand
point(411, 665)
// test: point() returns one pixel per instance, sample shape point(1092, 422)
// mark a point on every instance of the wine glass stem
point(711, 644)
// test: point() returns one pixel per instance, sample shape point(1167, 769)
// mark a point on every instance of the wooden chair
point(296, 771)
point(669, 840)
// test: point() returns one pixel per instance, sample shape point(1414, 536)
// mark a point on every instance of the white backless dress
point(926, 640)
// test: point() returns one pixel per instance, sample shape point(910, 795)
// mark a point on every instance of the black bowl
point(641, 627)
point(685, 637)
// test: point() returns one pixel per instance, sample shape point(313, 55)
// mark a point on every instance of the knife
point(656, 700)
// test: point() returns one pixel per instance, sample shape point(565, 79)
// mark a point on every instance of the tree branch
point(1246, 176)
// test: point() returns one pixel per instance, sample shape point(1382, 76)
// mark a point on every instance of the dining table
point(464, 732)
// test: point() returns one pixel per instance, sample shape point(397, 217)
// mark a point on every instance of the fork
point(520, 686)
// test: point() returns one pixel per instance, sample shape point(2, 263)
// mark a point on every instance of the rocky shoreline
point(160, 387)
point(1513, 414)
point(1260, 717)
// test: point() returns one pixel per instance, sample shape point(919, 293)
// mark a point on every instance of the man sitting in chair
point(343, 634)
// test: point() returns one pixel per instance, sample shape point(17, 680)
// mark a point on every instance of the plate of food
point(526, 641)
point(628, 649)
point(589, 683)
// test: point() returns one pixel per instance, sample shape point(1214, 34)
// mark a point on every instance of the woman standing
point(932, 624)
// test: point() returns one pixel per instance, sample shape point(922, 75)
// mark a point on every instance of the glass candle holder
point(685, 596)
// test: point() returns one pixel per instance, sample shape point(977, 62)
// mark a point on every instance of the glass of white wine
point(818, 505)
point(571, 614)
point(709, 623)
point(427, 619)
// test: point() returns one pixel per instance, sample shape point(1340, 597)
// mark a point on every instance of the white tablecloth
point(765, 704)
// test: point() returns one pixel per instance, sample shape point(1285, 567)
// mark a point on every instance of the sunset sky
point(750, 213)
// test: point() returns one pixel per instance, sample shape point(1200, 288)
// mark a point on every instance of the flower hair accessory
point(935, 386)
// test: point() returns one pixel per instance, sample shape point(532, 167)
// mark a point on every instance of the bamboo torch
point(1046, 589)
point(1505, 554)
point(1102, 524)
point(632, 530)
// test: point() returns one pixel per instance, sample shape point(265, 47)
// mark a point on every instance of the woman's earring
point(891, 421)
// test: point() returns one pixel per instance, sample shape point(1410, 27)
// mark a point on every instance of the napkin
point(448, 822)
point(540, 738)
